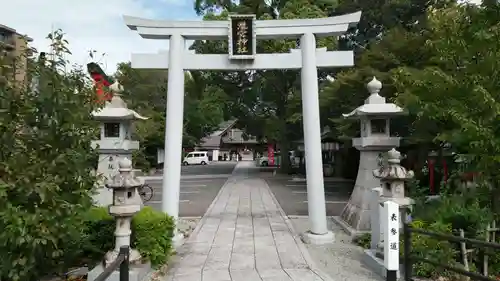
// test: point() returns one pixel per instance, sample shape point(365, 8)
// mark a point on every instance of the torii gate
point(242, 31)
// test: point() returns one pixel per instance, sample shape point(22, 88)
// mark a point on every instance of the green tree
point(383, 41)
point(267, 103)
point(458, 89)
point(46, 165)
point(146, 92)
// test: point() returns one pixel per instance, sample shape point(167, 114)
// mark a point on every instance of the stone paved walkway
point(244, 236)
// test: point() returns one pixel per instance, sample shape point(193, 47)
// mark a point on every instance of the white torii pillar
point(308, 58)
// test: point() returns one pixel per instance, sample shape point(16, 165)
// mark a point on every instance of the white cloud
point(88, 25)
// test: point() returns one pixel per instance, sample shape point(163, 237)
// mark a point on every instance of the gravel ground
point(187, 225)
point(341, 260)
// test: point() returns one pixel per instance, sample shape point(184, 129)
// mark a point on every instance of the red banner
point(270, 154)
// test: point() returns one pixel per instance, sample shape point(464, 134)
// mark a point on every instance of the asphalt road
point(199, 186)
point(292, 195)
point(214, 168)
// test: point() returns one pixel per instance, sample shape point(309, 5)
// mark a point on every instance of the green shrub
point(448, 215)
point(363, 240)
point(430, 248)
point(98, 233)
point(152, 233)
point(45, 176)
point(461, 211)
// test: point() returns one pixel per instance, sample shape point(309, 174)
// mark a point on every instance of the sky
point(93, 25)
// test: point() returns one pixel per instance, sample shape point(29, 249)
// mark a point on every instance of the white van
point(196, 158)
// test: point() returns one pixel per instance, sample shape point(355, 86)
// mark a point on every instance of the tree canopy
point(385, 43)
point(267, 103)
point(145, 90)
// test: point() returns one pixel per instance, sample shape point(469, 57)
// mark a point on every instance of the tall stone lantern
point(115, 142)
point(374, 141)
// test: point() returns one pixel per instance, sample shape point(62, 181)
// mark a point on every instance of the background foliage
point(46, 175)
point(437, 59)
point(45, 166)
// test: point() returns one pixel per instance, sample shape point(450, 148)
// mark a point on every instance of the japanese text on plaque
point(242, 39)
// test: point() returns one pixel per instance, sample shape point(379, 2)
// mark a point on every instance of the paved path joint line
point(243, 236)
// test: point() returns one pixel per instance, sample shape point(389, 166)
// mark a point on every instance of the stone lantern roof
point(375, 105)
point(393, 171)
point(117, 109)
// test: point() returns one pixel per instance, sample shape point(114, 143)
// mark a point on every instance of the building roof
point(223, 127)
point(214, 140)
point(211, 142)
point(12, 30)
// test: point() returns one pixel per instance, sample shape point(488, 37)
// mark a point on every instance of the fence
point(409, 259)
point(122, 261)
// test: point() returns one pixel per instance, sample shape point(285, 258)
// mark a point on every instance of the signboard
point(391, 235)
point(242, 41)
point(270, 154)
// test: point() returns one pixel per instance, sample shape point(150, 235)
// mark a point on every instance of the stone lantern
point(115, 141)
point(126, 203)
point(393, 177)
point(375, 139)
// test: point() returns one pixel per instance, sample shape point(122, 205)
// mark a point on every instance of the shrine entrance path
point(244, 235)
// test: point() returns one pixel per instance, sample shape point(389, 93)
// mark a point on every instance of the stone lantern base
point(137, 272)
point(374, 261)
point(134, 257)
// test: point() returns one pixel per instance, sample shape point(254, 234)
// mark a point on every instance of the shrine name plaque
point(242, 39)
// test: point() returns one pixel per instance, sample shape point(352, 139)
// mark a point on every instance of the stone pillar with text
point(374, 141)
point(393, 178)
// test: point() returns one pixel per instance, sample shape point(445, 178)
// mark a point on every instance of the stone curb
point(209, 210)
point(305, 253)
point(199, 225)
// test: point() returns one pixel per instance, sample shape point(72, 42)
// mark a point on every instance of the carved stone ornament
point(125, 178)
point(393, 171)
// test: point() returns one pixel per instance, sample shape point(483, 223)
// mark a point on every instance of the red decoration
point(431, 175)
point(101, 82)
point(445, 171)
point(102, 94)
point(270, 154)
